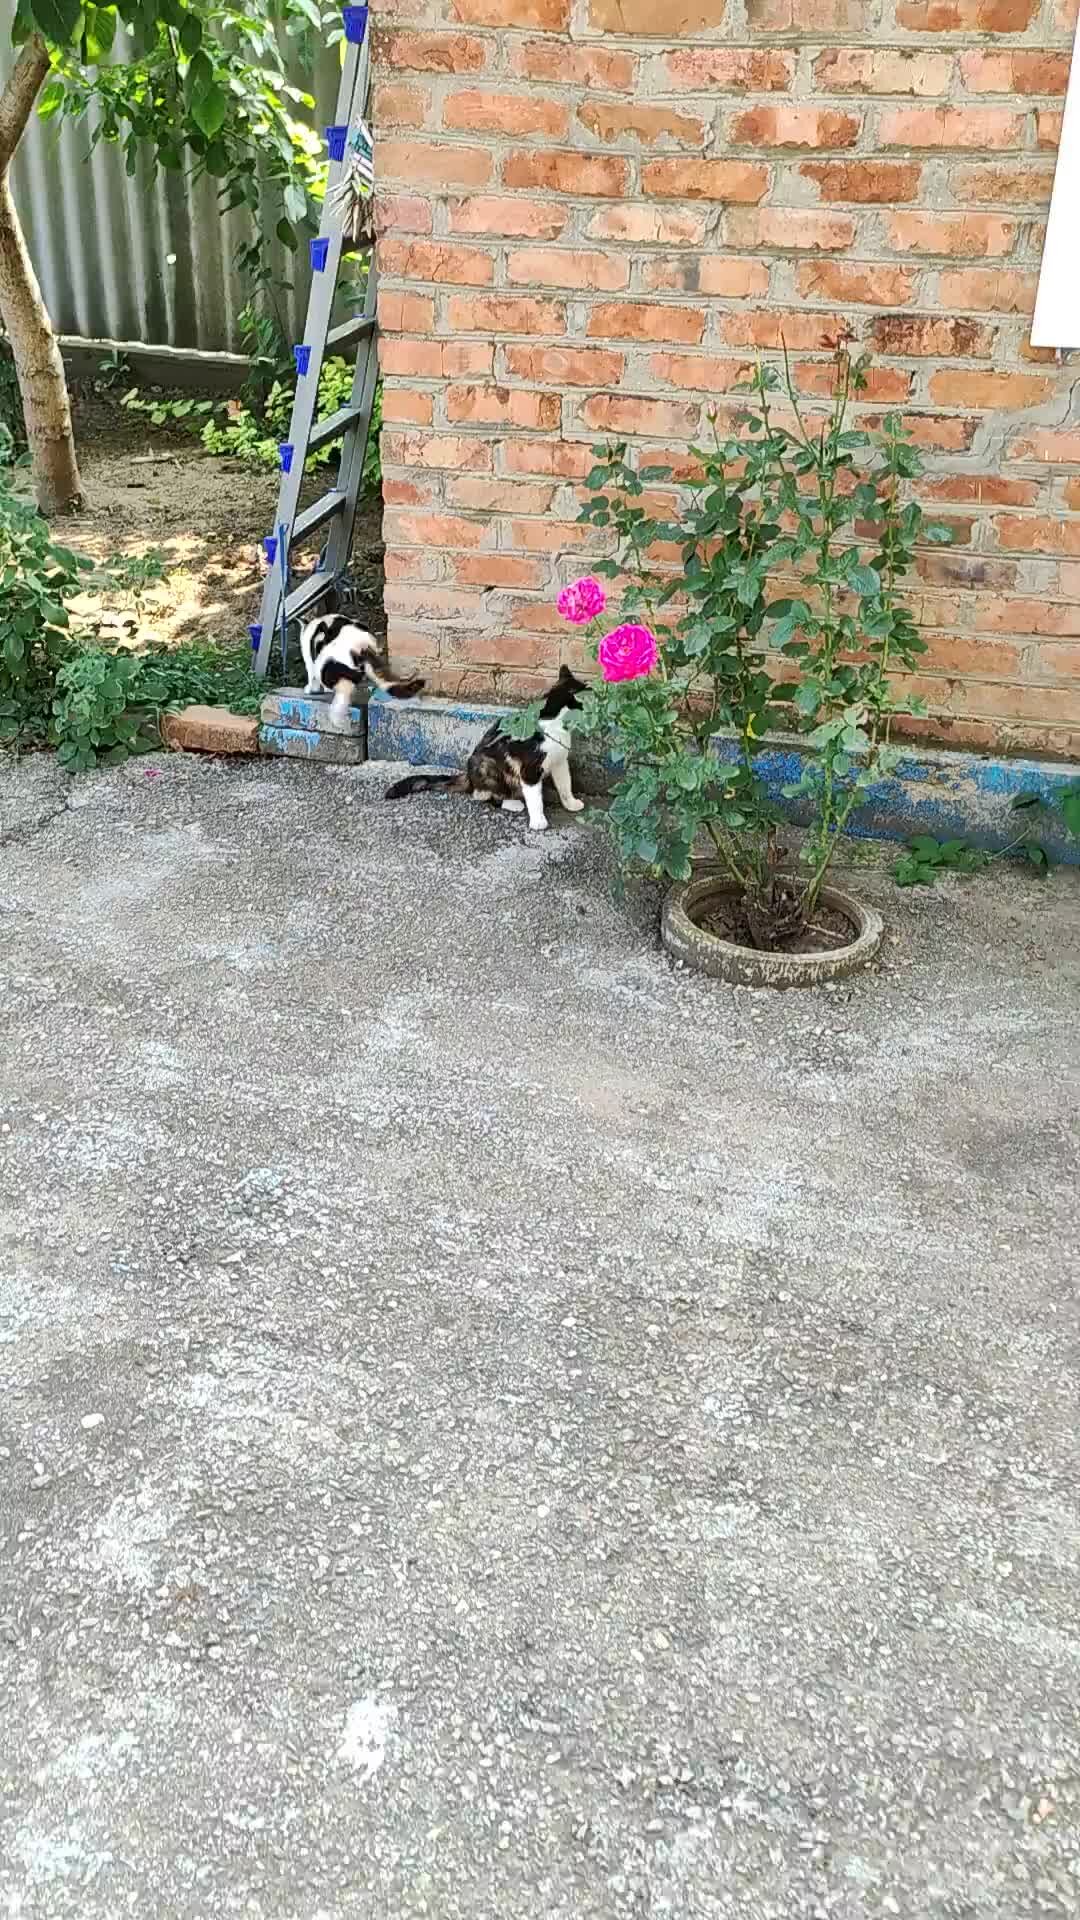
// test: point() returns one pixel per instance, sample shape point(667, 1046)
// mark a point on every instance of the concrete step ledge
point(303, 743)
point(293, 707)
point(935, 790)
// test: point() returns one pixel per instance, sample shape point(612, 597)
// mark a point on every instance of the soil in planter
point(724, 917)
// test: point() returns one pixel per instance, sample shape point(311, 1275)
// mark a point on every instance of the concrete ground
point(493, 1427)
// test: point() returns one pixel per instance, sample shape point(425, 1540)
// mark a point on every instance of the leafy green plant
point(133, 574)
point(235, 430)
point(97, 713)
point(822, 507)
point(113, 367)
point(927, 858)
point(38, 577)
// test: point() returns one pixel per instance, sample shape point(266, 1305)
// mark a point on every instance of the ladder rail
point(351, 423)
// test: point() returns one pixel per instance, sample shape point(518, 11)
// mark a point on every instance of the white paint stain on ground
point(363, 1743)
point(128, 1538)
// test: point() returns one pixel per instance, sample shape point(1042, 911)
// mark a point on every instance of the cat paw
point(538, 826)
point(573, 806)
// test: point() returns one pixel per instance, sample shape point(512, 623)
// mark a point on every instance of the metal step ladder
point(281, 603)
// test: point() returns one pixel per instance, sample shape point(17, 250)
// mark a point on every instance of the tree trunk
point(38, 366)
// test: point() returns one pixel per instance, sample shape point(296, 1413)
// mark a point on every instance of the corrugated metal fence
point(140, 259)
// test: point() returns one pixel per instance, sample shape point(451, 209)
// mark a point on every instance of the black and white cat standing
point(511, 773)
point(339, 656)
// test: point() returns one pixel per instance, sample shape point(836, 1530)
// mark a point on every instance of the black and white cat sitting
point(339, 656)
point(511, 773)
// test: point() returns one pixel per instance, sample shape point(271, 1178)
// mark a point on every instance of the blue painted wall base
point(934, 790)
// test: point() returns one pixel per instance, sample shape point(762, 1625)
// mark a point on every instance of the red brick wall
point(590, 219)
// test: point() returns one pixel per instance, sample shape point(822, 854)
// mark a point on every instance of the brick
point(569, 66)
point(566, 459)
point(728, 70)
point(438, 165)
point(988, 290)
point(408, 493)
point(1029, 533)
point(434, 359)
point(966, 16)
point(481, 495)
point(1059, 660)
point(1017, 186)
point(514, 115)
point(1018, 72)
point(547, 16)
point(801, 332)
point(807, 16)
point(873, 286)
point(995, 615)
point(566, 366)
point(1072, 494)
point(671, 18)
point(435, 260)
point(983, 489)
point(964, 387)
point(445, 604)
point(931, 336)
point(864, 182)
point(430, 53)
point(736, 180)
point(825, 129)
point(944, 433)
point(498, 570)
point(965, 236)
point(503, 406)
point(989, 128)
point(397, 105)
point(788, 228)
point(625, 413)
point(717, 275)
point(1048, 130)
point(401, 312)
point(889, 385)
point(1060, 445)
point(403, 407)
point(508, 218)
point(642, 226)
point(402, 213)
point(409, 563)
point(700, 373)
point(621, 320)
point(558, 172)
point(858, 70)
point(434, 530)
point(299, 743)
point(558, 267)
point(949, 653)
point(436, 450)
point(645, 126)
point(512, 314)
point(547, 536)
point(201, 729)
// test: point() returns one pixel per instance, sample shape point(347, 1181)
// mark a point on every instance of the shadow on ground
point(494, 1427)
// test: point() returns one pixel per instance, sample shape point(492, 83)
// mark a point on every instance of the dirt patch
point(153, 489)
point(725, 918)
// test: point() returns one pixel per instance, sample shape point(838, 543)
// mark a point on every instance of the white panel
point(1056, 322)
point(101, 243)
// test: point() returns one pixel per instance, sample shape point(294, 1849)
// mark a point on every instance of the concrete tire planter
point(741, 966)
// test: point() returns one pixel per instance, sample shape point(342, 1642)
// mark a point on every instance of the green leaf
point(191, 35)
point(57, 19)
point(1022, 800)
point(1070, 808)
point(1038, 857)
point(286, 233)
point(49, 99)
point(864, 581)
point(208, 111)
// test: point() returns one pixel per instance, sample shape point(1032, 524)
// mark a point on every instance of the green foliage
point(785, 610)
point(195, 86)
point(12, 429)
point(523, 722)
point(109, 705)
point(38, 577)
point(252, 432)
point(927, 858)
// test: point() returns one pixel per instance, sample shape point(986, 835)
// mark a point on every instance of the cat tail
point(428, 783)
point(377, 670)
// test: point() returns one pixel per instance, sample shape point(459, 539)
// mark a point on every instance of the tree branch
point(20, 90)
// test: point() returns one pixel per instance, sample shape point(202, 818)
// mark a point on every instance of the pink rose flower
point(582, 602)
point(629, 653)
